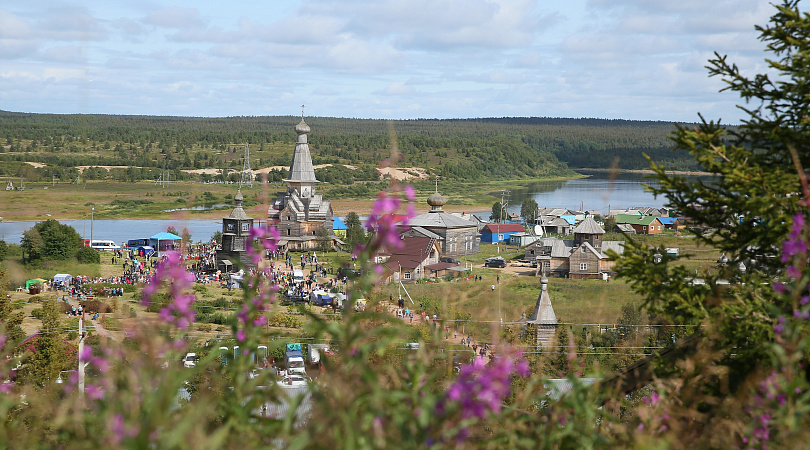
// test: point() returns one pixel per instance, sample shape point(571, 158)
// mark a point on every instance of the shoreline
point(645, 171)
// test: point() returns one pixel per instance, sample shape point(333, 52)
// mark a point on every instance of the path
point(450, 336)
point(103, 332)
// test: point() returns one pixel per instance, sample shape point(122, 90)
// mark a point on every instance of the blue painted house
point(499, 232)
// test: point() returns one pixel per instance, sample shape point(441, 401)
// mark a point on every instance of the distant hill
point(457, 149)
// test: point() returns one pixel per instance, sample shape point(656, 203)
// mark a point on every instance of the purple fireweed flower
point(481, 388)
point(178, 311)
point(119, 430)
point(261, 241)
point(796, 244)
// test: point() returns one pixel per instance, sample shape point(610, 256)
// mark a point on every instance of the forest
point(457, 149)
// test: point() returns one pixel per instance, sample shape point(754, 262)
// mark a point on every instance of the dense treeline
point(463, 149)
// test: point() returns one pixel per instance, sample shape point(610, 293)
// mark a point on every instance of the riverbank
point(646, 172)
point(197, 201)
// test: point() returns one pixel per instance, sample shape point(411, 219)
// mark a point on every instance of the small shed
point(522, 239)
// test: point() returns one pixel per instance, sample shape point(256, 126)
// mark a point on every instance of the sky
point(386, 59)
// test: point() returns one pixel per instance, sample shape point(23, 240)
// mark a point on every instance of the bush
point(132, 312)
point(34, 299)
point(88, 255)
point(37, 313)
point(205, 327)
point(96, 306)
point(285, 320)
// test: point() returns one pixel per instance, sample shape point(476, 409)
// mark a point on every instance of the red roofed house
point(499, 232)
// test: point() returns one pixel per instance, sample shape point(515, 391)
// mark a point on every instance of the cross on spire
point(437, 184)
point(302, 112)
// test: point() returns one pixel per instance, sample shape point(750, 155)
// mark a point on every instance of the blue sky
point(626, 59)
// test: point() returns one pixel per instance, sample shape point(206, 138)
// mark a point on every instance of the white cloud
point(11, 26)
point(174, 17)
point(398, 88)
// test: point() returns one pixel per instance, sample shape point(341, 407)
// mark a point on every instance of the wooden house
point(642, 224)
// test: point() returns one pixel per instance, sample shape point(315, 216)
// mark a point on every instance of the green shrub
point(285, 320)
point(37, 313)
point(88, 255)
point(205, 327)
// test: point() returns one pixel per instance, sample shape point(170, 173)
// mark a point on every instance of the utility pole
point(81, 350)
point(504, 203)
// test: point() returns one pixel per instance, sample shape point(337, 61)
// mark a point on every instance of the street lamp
point(59, 379)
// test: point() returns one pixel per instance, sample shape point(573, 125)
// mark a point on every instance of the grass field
point(482, 308)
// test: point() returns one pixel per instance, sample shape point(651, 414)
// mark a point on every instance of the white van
point(104, 245)
point(298, 276)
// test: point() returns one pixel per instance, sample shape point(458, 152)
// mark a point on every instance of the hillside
point(142, 147)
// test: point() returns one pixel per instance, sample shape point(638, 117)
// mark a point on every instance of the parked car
point(190, 360)
point(294, 380)
point(496, 262)
point(450, 260)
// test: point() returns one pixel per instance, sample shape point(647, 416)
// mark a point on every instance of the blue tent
point(166, 236)
point(164, 241)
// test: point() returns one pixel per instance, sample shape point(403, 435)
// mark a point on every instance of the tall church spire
point(301, 170)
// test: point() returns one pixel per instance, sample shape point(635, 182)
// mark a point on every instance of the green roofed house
point(642, 224)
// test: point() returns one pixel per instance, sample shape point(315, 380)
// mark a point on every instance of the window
point(406, 275)
point(644, 228)
point(288, 232)
point(583, 267)
point(245, 226)
point(583, 249)
point(546, 264)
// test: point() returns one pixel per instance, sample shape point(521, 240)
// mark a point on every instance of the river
point(597, 192)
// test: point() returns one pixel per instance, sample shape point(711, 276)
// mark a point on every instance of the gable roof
point(503, 228)
point(418, 246)
point(667, 220)
point(338, 224)
point(589, 226)
point(636, 220)
point(422, 231)
point(626, 228)
point(616, 246)
point(440, 219)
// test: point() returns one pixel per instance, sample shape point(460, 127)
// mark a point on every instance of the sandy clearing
point(36, 164)
point(404, 173)
point(263, 170)
point(83, 168)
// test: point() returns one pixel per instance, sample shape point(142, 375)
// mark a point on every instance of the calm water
point(120, 230)
point(597, 192)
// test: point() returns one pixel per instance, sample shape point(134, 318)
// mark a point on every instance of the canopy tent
point(164, 241)
point(63, 277)
point(33, 281)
